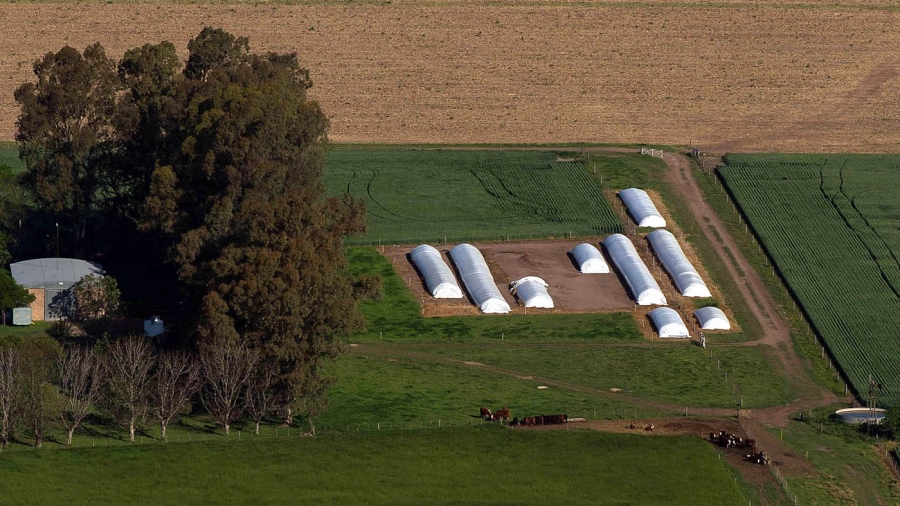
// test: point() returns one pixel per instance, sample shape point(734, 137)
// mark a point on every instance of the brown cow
point(486, 414)
point(502, 414)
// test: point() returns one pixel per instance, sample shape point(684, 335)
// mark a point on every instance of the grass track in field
point(441, 196)
point(448, 466)
point(671, 373)
point(832, 226)
point(401, 391)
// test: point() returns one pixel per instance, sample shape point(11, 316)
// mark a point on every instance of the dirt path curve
point(758, 299)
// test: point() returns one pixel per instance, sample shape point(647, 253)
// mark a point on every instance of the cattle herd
point(528, 421)
point(728, 440)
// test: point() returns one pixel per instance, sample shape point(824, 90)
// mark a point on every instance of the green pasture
point(831, 224)
point(392, 388)
point(448, 466)
point(675, 374)
point(850, 469)
point(441, 196)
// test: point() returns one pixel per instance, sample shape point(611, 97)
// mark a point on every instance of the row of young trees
point(199, 186)
point(45, 386)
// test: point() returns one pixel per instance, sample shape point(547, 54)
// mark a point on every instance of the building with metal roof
point(49, 279)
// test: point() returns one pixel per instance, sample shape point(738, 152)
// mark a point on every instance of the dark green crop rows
point(439, 196)
point(832, 226)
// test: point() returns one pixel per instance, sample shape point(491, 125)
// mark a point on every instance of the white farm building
point(641, 208)
point(668, 322)
point(643, 286)
point(686, 277)
point(589, 259)
point(712, 318)
point(438, 277)
point(477, 278)
point(532, 291)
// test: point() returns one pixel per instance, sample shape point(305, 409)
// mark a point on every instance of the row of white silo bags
point(641, 208)
point(477, 278)
point(668, 322)
point(643, 286)
point(532, 291)
point(686, 277)
point(666, 247)
point(438, 277)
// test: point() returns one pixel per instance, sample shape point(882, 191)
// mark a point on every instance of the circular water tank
point(859, 416)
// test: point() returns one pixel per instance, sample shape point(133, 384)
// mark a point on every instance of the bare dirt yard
point(571, 290)
point(751, 75)
point(757, 476)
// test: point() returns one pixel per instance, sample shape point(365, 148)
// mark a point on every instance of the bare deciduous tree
point(227, 364)
point(80, 381)
point(261, 399)
point(38, 395)
point(9, 398)
point(177, 379)
point(128, 368)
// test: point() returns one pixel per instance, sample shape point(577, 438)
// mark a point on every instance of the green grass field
point(442, 196)
point(485, 465)
point(832, 226)
point(850, 469)
point(595, 351)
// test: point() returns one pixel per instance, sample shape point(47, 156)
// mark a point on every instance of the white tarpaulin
point(478, 279)
point(687, 279)
point(668, 322)
point(589, 259)
point(712, 318)
point(644, 288)
point(532, 291)
point(438, 277)
point(641, 208)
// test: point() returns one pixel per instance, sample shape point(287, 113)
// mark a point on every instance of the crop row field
point(831, 224)
point(442, 196)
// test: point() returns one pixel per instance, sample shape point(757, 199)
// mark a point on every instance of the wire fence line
point(784, 485)
point(894, 458)
point(198, 434)
point(773, 468)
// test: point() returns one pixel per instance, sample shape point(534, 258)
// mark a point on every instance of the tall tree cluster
point(214, 170)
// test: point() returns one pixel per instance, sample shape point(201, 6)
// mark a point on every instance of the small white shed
point(589, 259)
point(641, 208)
point(532, 291)
point(712, 318)
point(668, 322)
point(640, 281)
point(438, 277)
point(477, 278)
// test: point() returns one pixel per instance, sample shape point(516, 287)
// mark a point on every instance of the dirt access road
point(775, 332)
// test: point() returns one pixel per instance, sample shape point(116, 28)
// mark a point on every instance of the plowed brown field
point(735, 75)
